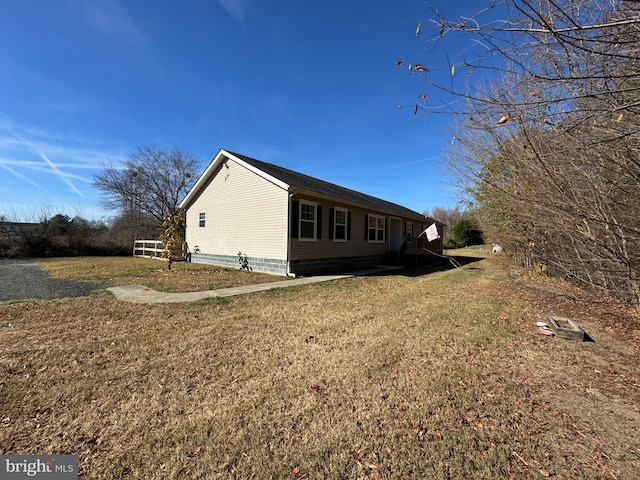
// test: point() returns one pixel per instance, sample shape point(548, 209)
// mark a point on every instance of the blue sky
point(308, 85)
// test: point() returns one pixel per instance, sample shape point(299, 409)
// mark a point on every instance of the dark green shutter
point(349, 225)
point(366, 227)
point(295, 216)
point(319, 222)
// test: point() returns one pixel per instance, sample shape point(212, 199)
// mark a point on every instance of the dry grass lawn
point(152, 273)
point(417, 375)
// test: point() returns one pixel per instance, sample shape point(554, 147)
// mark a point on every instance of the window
point(409, 231)
point(201, 219)
point(307, 220)
point(376, 228)
point(340, 225)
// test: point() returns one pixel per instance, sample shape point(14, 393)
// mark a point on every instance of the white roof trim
point(257, 171)
point(219, 159)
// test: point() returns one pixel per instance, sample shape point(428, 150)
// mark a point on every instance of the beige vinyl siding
point(244, 213)
point(325, 247)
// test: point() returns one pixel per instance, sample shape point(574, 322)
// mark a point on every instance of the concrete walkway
point(142, 294)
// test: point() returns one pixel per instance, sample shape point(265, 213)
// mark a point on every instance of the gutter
point(289, 272)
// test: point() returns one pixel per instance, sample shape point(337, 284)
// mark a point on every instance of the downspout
point(289, 272)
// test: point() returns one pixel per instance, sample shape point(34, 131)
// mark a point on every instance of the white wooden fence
point(148, 248)
point(154, 248)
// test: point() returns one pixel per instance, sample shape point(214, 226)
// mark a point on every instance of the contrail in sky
point(21, 176)
point(52, 165)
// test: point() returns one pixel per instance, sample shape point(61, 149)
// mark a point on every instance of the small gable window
point(201, 219)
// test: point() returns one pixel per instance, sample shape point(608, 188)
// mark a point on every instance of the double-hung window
point(307, 220)
point(201, 219)
point(340, 225)
point(376, 228)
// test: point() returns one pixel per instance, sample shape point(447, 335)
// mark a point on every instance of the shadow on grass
point(441, 265)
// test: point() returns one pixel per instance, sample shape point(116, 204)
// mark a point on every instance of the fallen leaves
point(421, 432)
point(366, 464)
point(298, 475)
point(407, 418)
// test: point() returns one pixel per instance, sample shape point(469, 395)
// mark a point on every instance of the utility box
point(564, 327)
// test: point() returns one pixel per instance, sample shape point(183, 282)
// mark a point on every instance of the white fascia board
point(257, 171)
point(222, 156)
point(203, 178)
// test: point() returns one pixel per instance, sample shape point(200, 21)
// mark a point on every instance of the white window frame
point(315, 221)
point(202, 219)
point(409, 232)
point(335, 224)
point(379, 220)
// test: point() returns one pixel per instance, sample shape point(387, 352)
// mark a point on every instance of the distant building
point(13, 229)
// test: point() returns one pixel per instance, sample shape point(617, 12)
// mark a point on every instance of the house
point(17, 229)
point(250, 214)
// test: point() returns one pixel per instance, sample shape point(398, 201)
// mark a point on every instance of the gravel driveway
point(22, 279)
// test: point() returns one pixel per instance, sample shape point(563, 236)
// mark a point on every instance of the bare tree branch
point(549, 148)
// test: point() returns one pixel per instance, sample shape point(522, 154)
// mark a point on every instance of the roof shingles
point(300, 181)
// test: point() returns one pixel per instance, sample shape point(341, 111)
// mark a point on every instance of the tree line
point(461, 227)
point(547, 145)
point(60, 236)
point(144, 193)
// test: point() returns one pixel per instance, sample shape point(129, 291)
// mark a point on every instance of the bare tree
point(548, 146)
point(133, 225)
point(461, 227)
point(447, 215)
point(150, 184)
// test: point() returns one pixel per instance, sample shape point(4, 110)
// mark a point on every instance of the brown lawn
point(408, 375)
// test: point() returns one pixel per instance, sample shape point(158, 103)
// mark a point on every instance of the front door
point(395, 233)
